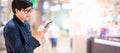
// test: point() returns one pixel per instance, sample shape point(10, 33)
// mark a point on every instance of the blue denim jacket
point(18, 37)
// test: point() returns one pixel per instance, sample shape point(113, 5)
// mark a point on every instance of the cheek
point(22, 15)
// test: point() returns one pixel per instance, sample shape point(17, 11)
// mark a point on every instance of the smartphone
point(48, 24)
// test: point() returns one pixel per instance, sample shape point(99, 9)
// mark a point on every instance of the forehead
point(29, 7)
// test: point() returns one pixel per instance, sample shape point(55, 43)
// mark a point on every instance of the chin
point(27, 19)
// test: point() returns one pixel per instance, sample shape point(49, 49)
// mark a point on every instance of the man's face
point(24, 14)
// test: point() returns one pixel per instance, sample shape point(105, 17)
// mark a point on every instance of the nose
point(29, 13)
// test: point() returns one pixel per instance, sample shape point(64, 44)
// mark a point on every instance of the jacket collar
point(18, 20)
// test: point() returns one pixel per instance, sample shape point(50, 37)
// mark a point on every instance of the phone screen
point(48, 24)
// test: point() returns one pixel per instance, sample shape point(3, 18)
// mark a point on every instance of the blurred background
point(74, 21)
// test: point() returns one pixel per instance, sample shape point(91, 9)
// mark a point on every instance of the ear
point(16, 10)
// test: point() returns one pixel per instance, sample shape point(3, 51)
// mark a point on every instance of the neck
point(20, 18)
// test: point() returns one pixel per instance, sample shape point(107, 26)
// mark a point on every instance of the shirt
point(18, 37)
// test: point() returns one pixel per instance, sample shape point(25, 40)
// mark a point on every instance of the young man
point(17, 33)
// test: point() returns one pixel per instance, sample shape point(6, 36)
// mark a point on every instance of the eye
point(27, 10)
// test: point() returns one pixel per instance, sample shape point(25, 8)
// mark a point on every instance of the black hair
point(20, 4)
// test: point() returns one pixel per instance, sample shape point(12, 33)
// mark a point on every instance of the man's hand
point(41, 32)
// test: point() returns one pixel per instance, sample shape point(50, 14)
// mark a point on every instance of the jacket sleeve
point(17, 43)
point(32, 40)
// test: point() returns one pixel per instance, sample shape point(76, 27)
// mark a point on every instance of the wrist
point(40, 41)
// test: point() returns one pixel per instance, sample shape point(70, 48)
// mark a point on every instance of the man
point(17, 33)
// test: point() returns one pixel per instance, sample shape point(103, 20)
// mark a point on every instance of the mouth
point(28, 16)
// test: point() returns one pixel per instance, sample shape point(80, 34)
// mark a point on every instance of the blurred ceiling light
point(66, 6)
point(4, 0)
point(55, 8)
point(4, 3)
point(46, 5)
